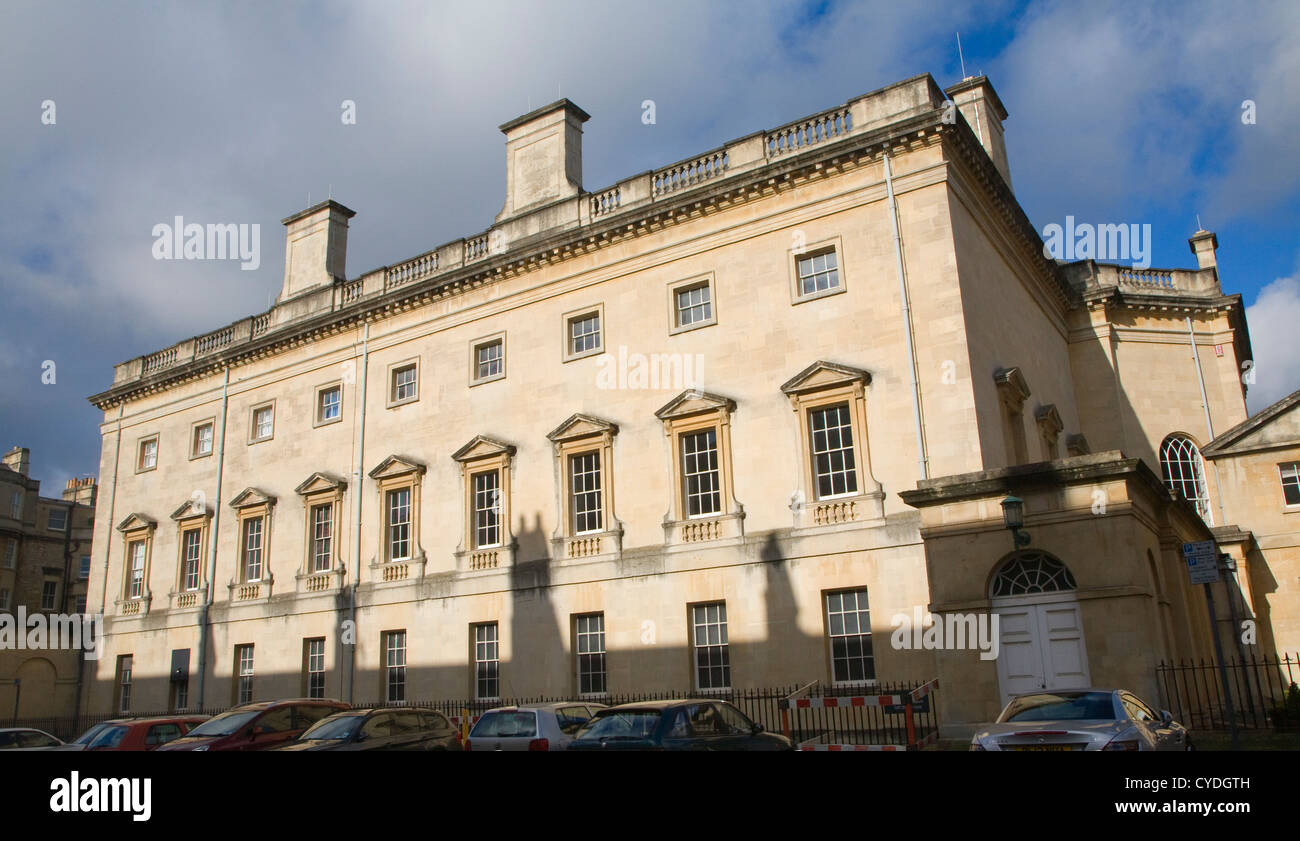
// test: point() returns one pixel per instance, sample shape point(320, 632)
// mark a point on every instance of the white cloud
point(1275, 342)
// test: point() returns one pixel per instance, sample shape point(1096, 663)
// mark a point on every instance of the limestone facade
point(801, 369)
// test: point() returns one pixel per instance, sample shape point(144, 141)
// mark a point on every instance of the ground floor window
point(395, 666)
point(848, 627)
point(712, 657)
point(486, 661)
point(589, 636)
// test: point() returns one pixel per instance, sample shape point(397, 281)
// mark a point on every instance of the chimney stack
point(979, 104)
point(1204, 244)
point(543, 157)
point(19, 460)
point(316, 248)
point(81, 491)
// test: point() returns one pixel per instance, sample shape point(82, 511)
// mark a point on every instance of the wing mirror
point(758, 728)
point(1166, 717)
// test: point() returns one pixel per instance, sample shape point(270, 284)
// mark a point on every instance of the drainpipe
point(1205, 404)
point(208, 597)
point(112, 508)
point(922, 459)
point(356, 511)
point(108, 542)
point(67, 576)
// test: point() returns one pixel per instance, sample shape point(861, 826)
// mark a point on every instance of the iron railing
point(1264, 692)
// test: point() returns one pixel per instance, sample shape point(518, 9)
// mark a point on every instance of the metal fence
point(856, 725)
point(1264, 693)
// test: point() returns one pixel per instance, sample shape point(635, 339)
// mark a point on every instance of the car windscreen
point(111, 737)
point(224, 724)
point(89, 736)
point(506, 724)
point(624, 724)
point(1061, 707)
point(334, 727)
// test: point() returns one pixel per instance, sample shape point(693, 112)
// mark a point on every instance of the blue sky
point(230, 112)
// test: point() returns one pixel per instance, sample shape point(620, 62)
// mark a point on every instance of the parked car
point(138, 734)
point(1082, 719)
point(407, 728)
point(27, 738)
point(532, 727)
point(92, 732)
point(690, 724)
point(257, 726)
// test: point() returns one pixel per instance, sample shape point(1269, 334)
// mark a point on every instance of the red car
point(257, 726)
point(145, 733)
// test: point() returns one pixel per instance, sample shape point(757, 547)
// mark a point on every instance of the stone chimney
point(543, 157)
point(1204, 244)
point(316, 248)
point(19, 460)
point(81, 491)
point(979, 104)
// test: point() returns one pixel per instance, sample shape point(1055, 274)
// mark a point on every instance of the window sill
point(813, 296)
point(719, 529)
point(694, 325)
point(486, 380)
point(398, 572)
point(133, 608)
point(393, 404)
point(318, 424)
point(574, 357)
point(487, 558)
point(251, 591)
point(839, 510)
point(589, 546)
point(186, 599)
point(327, 581)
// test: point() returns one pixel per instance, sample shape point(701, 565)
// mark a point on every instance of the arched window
point(1184, 473)
point(1029, 573)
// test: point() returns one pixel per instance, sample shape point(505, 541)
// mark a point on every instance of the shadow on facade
point(542, 661)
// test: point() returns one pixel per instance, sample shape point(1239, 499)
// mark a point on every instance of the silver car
point(1082, 719)
point(530, 727)
point(26, 738)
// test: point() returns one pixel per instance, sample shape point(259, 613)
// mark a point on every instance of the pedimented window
point(584, 453)
point(399, 481)
point(835, 484)
point(704, 507)
point(487, 542)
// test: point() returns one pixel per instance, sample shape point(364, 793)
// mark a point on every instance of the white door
point(1041, 645)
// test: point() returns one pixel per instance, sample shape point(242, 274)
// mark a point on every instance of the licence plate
point(1038, 747)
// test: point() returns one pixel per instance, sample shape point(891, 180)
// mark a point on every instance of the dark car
point(258, 726)
point(408, 728)
point(138, 734)
point(692, 724)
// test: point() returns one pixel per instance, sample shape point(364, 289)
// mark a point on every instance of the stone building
point(1258, 464)
point(45, 557)
point(713, 426)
